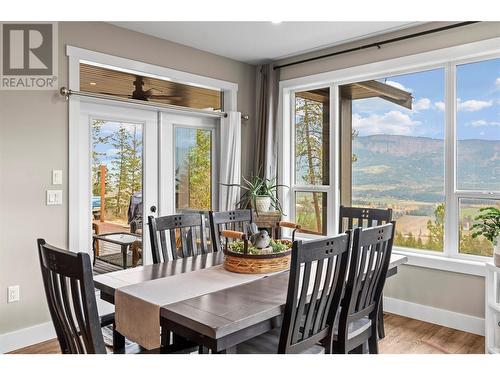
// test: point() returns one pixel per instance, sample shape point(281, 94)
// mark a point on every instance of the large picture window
point(423, 142)
point(398, 157)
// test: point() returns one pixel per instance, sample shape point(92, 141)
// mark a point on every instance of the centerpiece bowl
point(242, 258)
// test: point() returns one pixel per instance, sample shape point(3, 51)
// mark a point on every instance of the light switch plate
point(57, 177)
point(54, 197)
point(13, 293)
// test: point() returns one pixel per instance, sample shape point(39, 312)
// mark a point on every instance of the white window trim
point(447, 58)
point(78, 200)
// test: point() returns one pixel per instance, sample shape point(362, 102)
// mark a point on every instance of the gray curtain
point(266, 153)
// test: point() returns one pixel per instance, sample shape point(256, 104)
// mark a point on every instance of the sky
point(478, 104)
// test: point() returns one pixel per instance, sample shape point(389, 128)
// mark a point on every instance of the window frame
point(447, 58)
point(328, 189)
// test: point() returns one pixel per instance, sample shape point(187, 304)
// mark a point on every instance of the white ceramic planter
point(263, 204)
point(496, 252)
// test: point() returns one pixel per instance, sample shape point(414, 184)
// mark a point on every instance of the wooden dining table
point(217, 320)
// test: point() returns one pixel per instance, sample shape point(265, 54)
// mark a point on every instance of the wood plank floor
point(403, 336)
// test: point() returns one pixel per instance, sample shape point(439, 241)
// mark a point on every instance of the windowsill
point(426, 260)
point(469, 267)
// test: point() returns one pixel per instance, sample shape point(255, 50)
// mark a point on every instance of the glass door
point(122, 184)
point(188, 173)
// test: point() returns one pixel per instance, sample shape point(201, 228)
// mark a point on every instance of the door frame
point(78, 199)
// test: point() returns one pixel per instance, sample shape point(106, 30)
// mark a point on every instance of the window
point(425, 143)
point(468, 210)
point(312, 159)
point(478, 126)
point(398, 154)
point(477, 148)
point(193, 169)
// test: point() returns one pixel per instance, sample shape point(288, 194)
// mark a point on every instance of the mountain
point(412, 168)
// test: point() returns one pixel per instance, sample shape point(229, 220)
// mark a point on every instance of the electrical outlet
point(13, 293)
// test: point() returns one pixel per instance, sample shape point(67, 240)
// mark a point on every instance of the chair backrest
point(359, 217)
point(317, 275)
point(186, 232)
point(69, 287)
point(370, 258)
point(237, 220)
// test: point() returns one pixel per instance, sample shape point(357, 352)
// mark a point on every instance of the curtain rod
point(67, 93)
point(378, 44)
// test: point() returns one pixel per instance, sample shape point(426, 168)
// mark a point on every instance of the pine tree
point(120, 141)
point(309, 134)
point(200, 170)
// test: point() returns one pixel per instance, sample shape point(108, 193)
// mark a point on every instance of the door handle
point(152, 209)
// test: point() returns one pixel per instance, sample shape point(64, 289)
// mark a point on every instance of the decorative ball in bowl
point(242, 256)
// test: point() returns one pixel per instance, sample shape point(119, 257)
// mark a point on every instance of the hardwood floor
point(403, 336)
point(410, 336)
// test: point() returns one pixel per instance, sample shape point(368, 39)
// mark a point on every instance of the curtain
point(230, 172)
point(266, 153)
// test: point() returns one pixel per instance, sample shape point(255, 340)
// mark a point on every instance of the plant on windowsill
point(489, 226)
point(259, 193)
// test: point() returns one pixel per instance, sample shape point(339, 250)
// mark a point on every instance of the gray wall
point(34, 140)
point(446, 290)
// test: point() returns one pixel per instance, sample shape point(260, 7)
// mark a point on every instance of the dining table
point(197, 300)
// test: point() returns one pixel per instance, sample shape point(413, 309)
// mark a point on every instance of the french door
point(188, 173)
point(128, 157)
point(118, 182)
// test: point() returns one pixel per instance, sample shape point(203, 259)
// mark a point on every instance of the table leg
point(124, 255)
point(118, 340)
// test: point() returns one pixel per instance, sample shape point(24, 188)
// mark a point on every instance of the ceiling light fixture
point(276, 22)
point(93, 83)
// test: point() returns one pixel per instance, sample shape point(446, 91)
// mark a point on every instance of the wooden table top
point(227, 311)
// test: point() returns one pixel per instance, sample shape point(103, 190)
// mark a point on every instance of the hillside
point(412, 168)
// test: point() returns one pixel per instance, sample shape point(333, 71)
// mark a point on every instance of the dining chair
point(69, 288)
point(365, 217)
point(317, 273)
point(186, 232)
point(237, 220)
point(358, 317)
point(362, 217)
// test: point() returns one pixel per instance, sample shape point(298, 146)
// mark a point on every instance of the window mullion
point(451, 200)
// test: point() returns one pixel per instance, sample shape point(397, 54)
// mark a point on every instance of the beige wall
point(34, 140)
point(466, 34)
point(442, 289)
point(446, 290)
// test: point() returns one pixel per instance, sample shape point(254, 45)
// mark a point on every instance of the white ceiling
point(256, 42)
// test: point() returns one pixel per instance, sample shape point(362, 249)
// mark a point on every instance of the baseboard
point(451, 319)
point(27, 336)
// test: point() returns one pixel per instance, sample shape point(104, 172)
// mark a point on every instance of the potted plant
point(489, 226)
point(259, 194)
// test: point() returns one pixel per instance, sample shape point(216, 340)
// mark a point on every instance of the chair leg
point(373, 344)
point(380, 318)
point(358, 350)
point(373, 339)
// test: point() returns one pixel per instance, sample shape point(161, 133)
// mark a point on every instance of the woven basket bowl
point(262, 263)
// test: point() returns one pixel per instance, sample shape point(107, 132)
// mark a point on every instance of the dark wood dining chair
point(317, 273)
point(237, 221)
point(362, 217)
point(365, 217)
point(186, 232)
point(69, 288)
point(358, 318)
